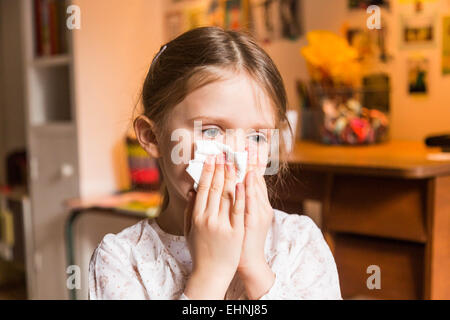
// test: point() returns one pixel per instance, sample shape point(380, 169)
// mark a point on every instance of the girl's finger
point(228, 190)
point(250, 193)
point(237, 214)
point(252, 159)
point(204, 185)
point(215, 191)
point(188, 213)
point(261, 183)
point(261, 190)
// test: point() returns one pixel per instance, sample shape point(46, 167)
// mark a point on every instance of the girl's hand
point(257, 219)
point(214, 230)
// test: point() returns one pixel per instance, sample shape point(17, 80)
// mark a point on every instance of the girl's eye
point(211, 132)
point(258, 138)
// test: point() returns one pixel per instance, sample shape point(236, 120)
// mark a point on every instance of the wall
point(414, 117)
point(112, 51)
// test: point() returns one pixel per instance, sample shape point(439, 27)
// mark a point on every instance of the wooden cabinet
point(54, 179)
point(385, 205)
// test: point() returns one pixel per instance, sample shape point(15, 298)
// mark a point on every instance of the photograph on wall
point(258, 21)
point(363, 4)
point(418, 71)
point(376, 89)
point(417, 30)
point(237, 14)
point(266, 20)
point(215, 13)
point(291, 26)
point(446, 46)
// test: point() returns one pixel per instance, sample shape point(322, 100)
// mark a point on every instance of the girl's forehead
point(237, 102)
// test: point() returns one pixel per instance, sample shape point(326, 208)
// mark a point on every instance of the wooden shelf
point(51, 61)
point(57, 126)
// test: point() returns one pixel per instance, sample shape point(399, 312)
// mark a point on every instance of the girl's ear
point(145, 130)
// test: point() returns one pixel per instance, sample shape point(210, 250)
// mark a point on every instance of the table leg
point(69, 245)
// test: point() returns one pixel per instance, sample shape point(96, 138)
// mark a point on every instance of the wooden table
point(386, 205)
point(124, 204)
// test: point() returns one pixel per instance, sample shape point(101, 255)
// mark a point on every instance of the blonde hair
point(195, 59)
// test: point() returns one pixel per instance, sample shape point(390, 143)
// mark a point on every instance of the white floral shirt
point(144, 262)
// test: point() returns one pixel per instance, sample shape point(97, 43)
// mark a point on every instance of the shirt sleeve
point(112, 276)
point(310, 271)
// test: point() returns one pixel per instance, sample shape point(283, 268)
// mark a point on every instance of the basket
point(338, 115)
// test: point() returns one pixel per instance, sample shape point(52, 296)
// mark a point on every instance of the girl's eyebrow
point(228, 123)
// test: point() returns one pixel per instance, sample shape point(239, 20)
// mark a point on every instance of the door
point(53, 176)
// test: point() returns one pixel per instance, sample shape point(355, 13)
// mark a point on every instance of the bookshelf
point(52, 137)
point(51, 92)
point(49, 62)
point(40, 95)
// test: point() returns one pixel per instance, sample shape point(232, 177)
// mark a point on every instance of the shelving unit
point(46, 85)
point(49, 77)
point(52, 141)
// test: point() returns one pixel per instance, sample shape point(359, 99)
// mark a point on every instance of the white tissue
point(203, 148)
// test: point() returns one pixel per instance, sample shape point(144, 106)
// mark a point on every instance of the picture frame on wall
point(237, 15)
point(418, 75)
point(446, 45)
point(291, 23)
point(417, 31)
point(363, 4)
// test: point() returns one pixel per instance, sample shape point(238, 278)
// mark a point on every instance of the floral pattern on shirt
point(144, 262)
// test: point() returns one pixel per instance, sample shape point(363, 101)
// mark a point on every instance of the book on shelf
point(49, 27)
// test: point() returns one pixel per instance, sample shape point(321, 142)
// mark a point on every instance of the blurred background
point(367, 82)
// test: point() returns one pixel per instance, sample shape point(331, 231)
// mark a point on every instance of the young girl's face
point(238, 105)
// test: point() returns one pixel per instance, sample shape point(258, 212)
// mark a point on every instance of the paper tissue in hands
point(203, 148)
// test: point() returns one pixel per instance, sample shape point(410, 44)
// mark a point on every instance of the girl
point(223, 241)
